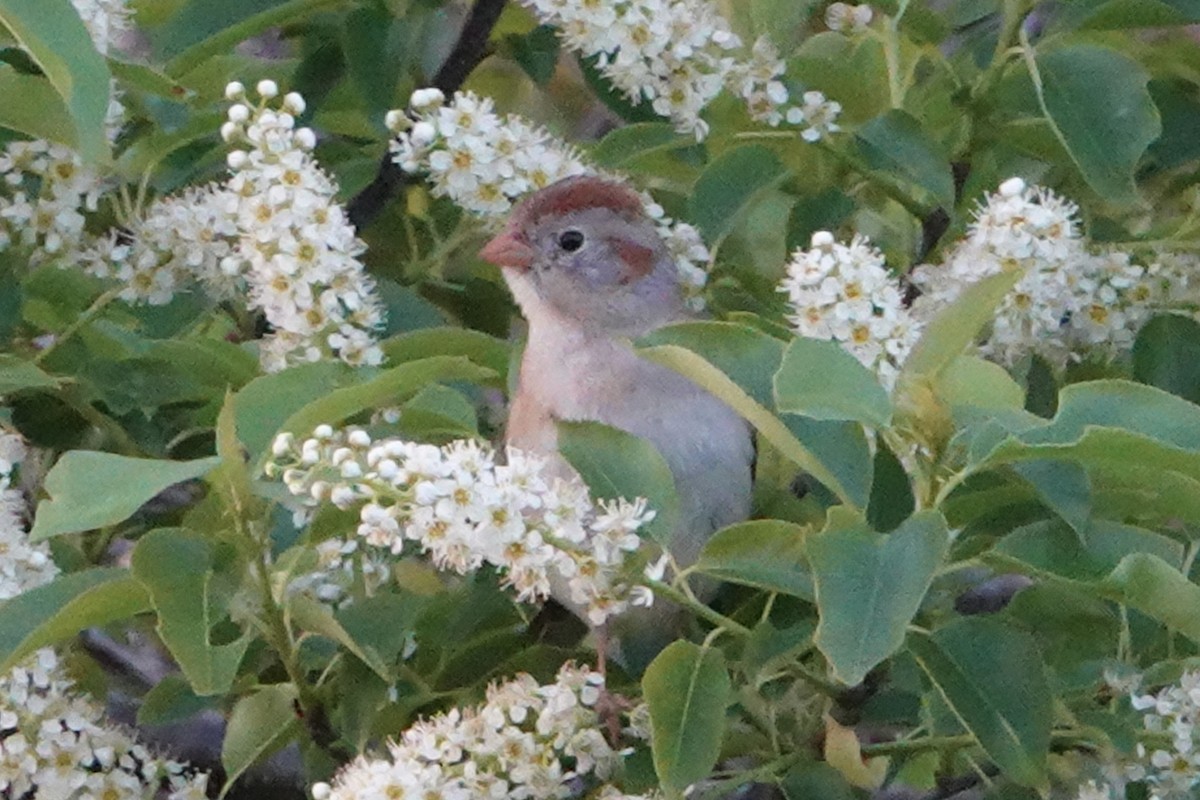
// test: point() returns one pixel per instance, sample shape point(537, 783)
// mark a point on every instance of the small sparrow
point(590, 271)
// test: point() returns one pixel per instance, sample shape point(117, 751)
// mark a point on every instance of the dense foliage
point(944, 258)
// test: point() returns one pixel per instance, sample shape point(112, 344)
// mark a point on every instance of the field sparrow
point(590, 271)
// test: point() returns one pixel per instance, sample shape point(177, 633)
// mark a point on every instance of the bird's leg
point(608, 706)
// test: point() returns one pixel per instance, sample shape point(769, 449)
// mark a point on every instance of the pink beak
point(508, 249)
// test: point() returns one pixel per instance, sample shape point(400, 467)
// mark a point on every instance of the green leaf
point(60, 609)
point(32, 107)
point(90, 490)
point(170, 700)
point(971, 381)
point(17, 375)
point(177, 569)
point(149, 80)
point(388, 388)
point(1098, 106)
point(843, 448)
point(955, 327)
point(747, 355)
point(869, 586)
point(615, 464)
point(764, 553)
point(265, 403)
point(712, 379)
point(991, 676)
point(819, 379)
point(487, 351)
point(259, 725)
point(627, 143)
point(896, 144)
point(728, 185)
point(311, 615)
point(54, 35)
point(537, 52)
point(686, 688)
point(1127, 14)
point(1155, 588)
point(1166, 354)
point(1064, 487)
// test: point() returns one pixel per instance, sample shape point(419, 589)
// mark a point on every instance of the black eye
point(570, 240)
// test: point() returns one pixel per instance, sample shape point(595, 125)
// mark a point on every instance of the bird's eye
point(570, 240)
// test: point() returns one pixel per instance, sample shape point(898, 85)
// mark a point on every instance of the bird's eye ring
point(570, 240)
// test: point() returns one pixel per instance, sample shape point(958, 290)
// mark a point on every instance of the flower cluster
point(1170, 772)
point(679, 55)
point(848, 18)
point(339, 561)
point(1069, 300)
point(48, 190)
point(526, 742)
point(485, 162)
point(180, 241)
point(53, 741)
point(273, 232)
point(300, 254)
point(844, 293)
point(463, 509)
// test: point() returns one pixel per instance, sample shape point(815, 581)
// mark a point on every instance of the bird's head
point(584, 250)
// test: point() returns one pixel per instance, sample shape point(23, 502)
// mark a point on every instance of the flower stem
point(98, 305)
point(701, 610)
point(227, 38)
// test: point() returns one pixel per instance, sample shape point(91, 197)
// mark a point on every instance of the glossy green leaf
point(992, 678)
point(1063, 486)
point(265, 403)
point(622, 145)
point(314, 616)
point(1098, 106)
point(686, 688)
point(869, 586)
point(1166, 354)
point(766, 554)
point(388, 388)
point(971, 381)
point(90, 490)
point(487, 351)
point(843, 447)
point(60, 609)
point(770, 426)
point(52, 32)
point(955, 327)
point(615, 464)
point(170, 700)
point(728, 185)
point(177, 569)
point(747, 355)
point(896, 144)
point(819, 379)
point(260, 724)
point(1155, 588)
point(17, 375)
point(33, 107)
point(1127, 14)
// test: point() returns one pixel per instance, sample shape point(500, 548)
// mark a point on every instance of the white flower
point(845, 293)
point(847, 17)
point(272, 232)
point(462, 509)
point(515, 745)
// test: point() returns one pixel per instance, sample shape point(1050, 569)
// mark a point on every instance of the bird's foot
point(609, 707)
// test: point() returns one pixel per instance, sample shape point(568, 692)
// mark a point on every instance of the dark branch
point(469, 50)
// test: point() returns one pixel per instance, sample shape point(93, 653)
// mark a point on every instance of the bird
point(590, 272)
